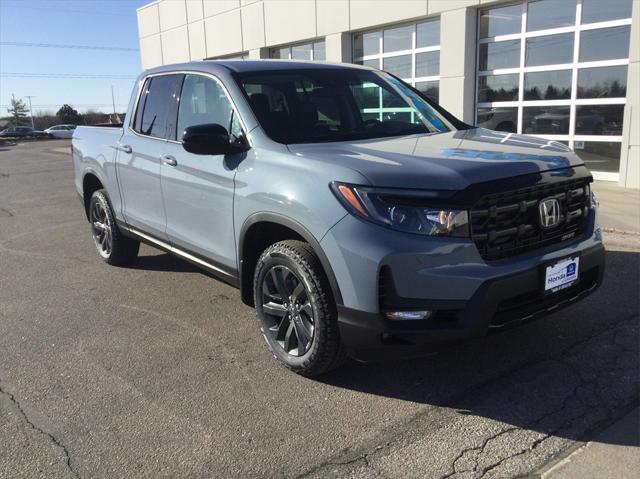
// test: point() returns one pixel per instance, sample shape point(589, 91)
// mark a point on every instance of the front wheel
point(296, 310)
point(113, 247)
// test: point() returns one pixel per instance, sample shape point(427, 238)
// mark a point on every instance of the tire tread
point(329, 352)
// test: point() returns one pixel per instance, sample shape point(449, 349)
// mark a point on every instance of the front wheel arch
point(287, 228)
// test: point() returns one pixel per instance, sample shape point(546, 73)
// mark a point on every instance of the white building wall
point(630, 158)
point(174, 31)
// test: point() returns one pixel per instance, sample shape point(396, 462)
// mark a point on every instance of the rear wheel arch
point(90, 184)
point(260, 231)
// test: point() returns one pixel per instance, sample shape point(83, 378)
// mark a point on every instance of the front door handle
point(124, 148)
point(169, 160)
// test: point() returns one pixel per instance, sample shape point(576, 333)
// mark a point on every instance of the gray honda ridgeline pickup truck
point(356, 215)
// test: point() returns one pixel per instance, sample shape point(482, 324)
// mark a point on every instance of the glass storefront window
point(600, 155)
point(375, 63)
point(499, 119)
point(500, 21)
point(602, 82)
point(498, 88)
point(397, 39)
point(301, 51)
point(429, 88)
point(551, 120)
point(539, 17)
point(604, 44)
point(599, 120)
point(428, 34)
point(398, 66)
point(408, 51)
point(602, 11)
point(532, 79)
point(499, 55)
point(554, 85)
point(549, 50)
point(366, 43)
point(319, 51)
point(427, 64)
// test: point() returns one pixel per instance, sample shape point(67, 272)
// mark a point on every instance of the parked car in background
point(23, 132)
point(353, 228)
point(61, 131)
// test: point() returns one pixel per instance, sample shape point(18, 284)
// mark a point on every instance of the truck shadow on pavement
point(565, 375)
point(165, 262)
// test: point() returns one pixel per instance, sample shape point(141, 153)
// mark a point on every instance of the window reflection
point(500, 55)
point(367, 43)
point(602, 11)
point(500, 21)
point(599, 120)
point(553, 120)
point(427, 64)
point(428, 34)
point(547, 85)
point(604, 44)
point(498, 88)
point(539, 18)
point(396, 39)
point(600, 155)
point(549, 50)
point(499, 119)
point(602, 82)
point(429, 88)
point(398, 66)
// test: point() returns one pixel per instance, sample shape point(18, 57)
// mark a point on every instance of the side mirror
point(209, 139)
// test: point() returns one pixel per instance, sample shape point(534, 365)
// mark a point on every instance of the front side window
point(309, 106)
point(203, 101)
point(156, 112)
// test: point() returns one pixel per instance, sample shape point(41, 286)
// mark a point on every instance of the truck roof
point(245, 66)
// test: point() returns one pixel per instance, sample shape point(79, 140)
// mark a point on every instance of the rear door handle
point(169, 160)
point(124, 148)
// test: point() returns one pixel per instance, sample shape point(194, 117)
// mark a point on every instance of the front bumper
point(469, 295)
point(497, 304)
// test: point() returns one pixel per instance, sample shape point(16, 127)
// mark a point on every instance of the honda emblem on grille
point(549, 210)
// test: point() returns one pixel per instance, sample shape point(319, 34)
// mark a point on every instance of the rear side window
point(157, 107)
point(203, 101)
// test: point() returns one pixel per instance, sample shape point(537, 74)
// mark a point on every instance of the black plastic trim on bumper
point(496, 304)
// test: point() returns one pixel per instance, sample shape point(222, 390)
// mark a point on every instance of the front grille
point(507, 224)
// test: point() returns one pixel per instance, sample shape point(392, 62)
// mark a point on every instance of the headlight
point(594, 199)
point(406, 211)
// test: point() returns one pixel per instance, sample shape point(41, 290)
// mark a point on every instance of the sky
point(86, 23)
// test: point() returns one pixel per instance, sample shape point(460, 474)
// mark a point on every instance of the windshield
point(310, 106)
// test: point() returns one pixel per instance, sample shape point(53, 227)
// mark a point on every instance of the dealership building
point(564, 70)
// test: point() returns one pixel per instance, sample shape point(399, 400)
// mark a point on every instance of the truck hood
point(443, 161)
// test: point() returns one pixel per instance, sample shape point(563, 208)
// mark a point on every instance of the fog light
point(408, 315)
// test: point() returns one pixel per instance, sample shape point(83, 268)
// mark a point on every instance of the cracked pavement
point(159, 370)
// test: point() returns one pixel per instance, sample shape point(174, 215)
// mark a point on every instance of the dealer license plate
point(561, 275)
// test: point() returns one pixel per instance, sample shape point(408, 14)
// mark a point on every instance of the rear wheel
point(296, 310)
point(112, 246)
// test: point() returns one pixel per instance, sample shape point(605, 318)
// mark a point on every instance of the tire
point(113, 247)
point(310, 344)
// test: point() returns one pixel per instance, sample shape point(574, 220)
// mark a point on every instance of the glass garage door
point(557, 69)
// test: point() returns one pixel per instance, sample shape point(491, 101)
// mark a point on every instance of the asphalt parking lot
point(159, 370)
